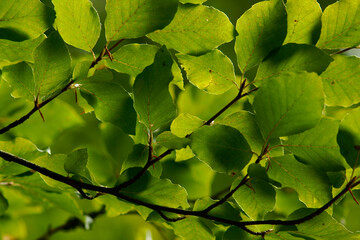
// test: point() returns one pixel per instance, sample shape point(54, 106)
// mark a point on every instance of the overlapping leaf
point(212, 72)
point(152, 100)
point(318, 146)
point(304, 21)
point(222, 147)
point(261, 29)
point(132, 58)
point(77, 22)
point(289, 103)
point(314, 191)
point(132, 19)
point(171, 141)
point(110, 101)
point(293, 57)
point(341, 81)
point(29, 17)
point(52, 65)
point(13, 52)
point(195, 29)
point(193, 228)
point(340, 25)
point(185, 124)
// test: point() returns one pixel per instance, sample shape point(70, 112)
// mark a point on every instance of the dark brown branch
point(105, 52)
point(33, 110)
point(11, 158)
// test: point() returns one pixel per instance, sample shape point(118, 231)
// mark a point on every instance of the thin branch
point(33, 110)
point(169, 219)
point(343, 51)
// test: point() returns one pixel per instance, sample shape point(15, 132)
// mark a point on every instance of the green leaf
point(158, 191)
point(349, 138)
point(4, 204)
point(193, 1)
point(223, 148)
point(132, 58)
point(340, 80)
point(318, 147)
point(171, 141)
point(20, 77)
point(76, 161)
point(293, 57)
point(110, 101)
point(185, 124)
point(225, 210)
point(133, 19)
point(304, 21)
point(261, 29)
point(324, 226)
point(115, 206)
point(52, 65)
point(27, 17)
point(314, 191)
point(256, 200)
point(195, 29)
point(284, 105)
point(13, 52)
point(212, 72)
point(237, 233)
point(59, 116)
point(193, 228)
point(137, 158)
point(281, 236)
point(340, 25)
point(77, 22)
point(244, 121)
point(152, 100)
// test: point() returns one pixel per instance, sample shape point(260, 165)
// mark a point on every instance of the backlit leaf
point(212, 72)
point(304, 21)
point(76, 161)
point(195, 29)
point(77, 22)
point(261, 29)
point(318, 147)
point(171, 141)
point(132, 19)
point(193, 228)
point(28, 17)
point(223, 148)
point(185, 124)
point(314, 191)
point(289, 103)
point(341, 81)
point(152, 100)
point(132, 58)
point(340, 25)
point(52, 65)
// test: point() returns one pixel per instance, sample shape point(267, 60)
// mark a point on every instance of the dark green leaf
point(171, 141)
point(110, 101)
point(28, 17)
point(318, 147)
point(52, 65)
point(77, 22)
point(256, 200)
point(340, 80)
point(223, 148)
point(314, 191)
point(76, 161)
point(4, 204)
point(288, 104)
point(137, 158)
point(293, 57)
point(195, 29)
point(193, 228)
point(152, 100)
point(237, 233)
point(132, 19)
point(304, 21)
point(349, 138)
point(340, 25)
point(132, 58)
point(261, 29)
